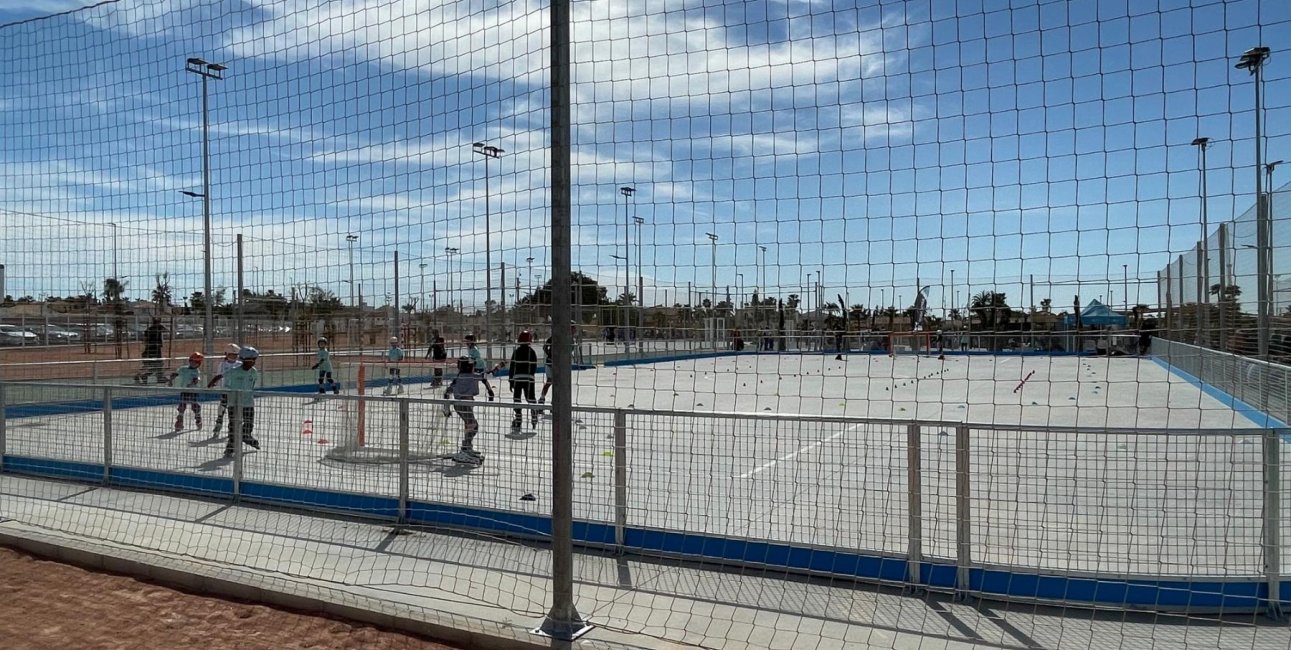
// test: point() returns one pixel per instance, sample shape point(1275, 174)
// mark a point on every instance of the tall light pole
point(115, 273)
point(349, 245)
point(622, 308)
point(1266, 253)
point(450, 252)
point(488, 151)
point(422, 299)
point(1203, 255)
point(1125, 285)
point(1252, 61)
point(627, 191)
point(713, 259)
point(640, 276)
point(206, 71)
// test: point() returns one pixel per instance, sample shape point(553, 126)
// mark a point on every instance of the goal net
point(370, 428)
point(910, 343)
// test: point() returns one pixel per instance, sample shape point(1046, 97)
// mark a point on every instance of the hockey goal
point(910, 343)
point(370, 429)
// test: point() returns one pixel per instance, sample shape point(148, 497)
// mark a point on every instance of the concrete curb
point(284, 592)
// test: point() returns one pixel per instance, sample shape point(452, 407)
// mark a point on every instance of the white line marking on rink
point(790, 456)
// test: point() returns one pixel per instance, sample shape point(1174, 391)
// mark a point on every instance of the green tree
point(587, 292)
point(113, 294)
point(992, 308)
point(161, 295)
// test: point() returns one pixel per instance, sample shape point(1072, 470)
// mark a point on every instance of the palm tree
point(161, 295)
point(992, 308)
point(113, 290)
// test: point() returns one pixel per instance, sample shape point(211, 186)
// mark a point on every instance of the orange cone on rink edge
point(307, 429)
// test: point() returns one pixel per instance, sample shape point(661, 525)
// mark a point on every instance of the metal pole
point(1223, 283)
point(396, 295)
point(3, 425)
point(620, 478)
point(208, 323)
point(563, 621)
point(1253, 60)
point(502, 291)
point(115, 273)
point(235, 435)
point(488, 266)
point(963, 512)
point(1271, 533)
point(240, 302)
point(403, 462)
point(914, 505)
point(349, 241)
point(1169, 302)
point(107, 435)
point(640, 279)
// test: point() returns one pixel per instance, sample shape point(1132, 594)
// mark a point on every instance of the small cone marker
point(307, 429)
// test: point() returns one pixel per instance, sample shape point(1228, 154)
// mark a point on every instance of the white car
point(14, 335)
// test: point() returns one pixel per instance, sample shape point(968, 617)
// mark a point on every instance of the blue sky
point(878, 143)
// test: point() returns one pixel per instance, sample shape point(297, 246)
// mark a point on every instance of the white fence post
point(963, 512)
point(403, 462)
point(3, 419)
point(235, 439)
point(914, 505)
point(107, 435)
point(620, 478)
point(1272, 520)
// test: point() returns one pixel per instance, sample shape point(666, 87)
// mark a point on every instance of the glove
point(511, 385)
point(314, 367)
point(491, 396)
point(446, 410)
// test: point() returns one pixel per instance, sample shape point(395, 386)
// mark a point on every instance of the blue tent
point(1096, 314)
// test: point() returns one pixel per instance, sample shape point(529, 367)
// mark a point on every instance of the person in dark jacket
point(438, 351)
point(522, 370)
point(152, 361)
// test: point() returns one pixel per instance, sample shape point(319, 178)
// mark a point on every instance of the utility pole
point(206, 71)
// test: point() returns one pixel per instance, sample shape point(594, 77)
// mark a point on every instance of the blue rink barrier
point(1169, 593)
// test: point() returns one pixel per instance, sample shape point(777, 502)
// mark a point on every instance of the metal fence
point(1263, 387)
point(1153, 518)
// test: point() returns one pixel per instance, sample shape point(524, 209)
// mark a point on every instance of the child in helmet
point(473, 351)
point(190, 376)
point(464, 388)
point(324, 368)
point(523, 369)
point(240, 382)
point(394, 383)
point(229, 362)
point(437, 352)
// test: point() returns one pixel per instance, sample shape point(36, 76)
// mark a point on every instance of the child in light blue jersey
point(473, 351)
point(324, 368)
point(240, 382)
point(229, 362)
point(464, 388)
point(190, 376)
point(394, 381)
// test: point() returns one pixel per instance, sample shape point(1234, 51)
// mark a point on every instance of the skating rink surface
point(1076, 464)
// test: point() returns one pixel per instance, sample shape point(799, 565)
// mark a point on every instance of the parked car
point(55, 335)
point(14, 335)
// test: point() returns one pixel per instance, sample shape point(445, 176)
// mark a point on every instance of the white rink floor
point(1125, 502)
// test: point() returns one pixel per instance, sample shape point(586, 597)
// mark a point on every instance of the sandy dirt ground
point(48, 605)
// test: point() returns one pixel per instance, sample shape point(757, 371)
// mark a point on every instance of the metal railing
point(929, 504)
point(1263, 385)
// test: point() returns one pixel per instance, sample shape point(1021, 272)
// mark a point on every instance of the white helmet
point(232, 348)
point(394, 340)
